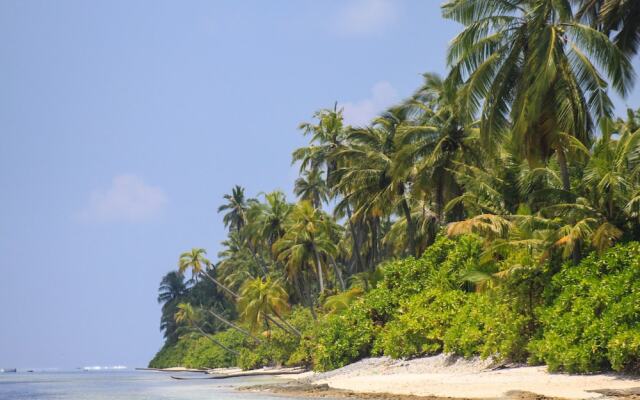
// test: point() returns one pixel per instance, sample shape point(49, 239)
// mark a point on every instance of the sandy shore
point(445, 376)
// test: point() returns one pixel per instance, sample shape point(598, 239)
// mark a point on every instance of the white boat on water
point(7, 370)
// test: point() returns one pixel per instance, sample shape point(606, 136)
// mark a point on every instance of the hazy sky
point(123, 123)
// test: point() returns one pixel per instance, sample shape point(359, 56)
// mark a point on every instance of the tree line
point(518, 144)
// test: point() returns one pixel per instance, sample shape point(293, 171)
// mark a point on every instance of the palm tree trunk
point(284, 321)
point(374, 243)
point(319, 268)
point(338, 274)
point(411, 232)
point(216, 282)
point(307, 291)
point(236, 296)
point(440, 201)
point(234, 326)
point(564, 170)
point(356, 241)
point(258, 261)
point(276, 323)
point(205, 334)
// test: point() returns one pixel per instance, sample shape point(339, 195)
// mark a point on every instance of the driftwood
point(244, 374)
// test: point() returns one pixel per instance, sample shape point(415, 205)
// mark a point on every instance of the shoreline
point(296, 389)
point(448, 377)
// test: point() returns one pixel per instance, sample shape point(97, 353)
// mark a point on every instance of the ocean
point(122, 385)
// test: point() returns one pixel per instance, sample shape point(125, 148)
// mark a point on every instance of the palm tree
point(306, 242)
point(197, 262)
point(608, 200)
point(172, 287)
point(341, 301)
point(235, 217)
point(326, 137)
point(237, 262)
point(373, 179)
point(261, 297)
point(312, 187)
point(188, 314)
point(435, 141)
point(621, 17)
point(272, 217)
point(530, 69)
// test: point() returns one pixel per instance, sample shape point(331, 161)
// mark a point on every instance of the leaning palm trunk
point(258, 260)
point(235, 296)
point(205, 334)
point(233, 326)
point(292, 329)
point(223, 287)
point(268, 318)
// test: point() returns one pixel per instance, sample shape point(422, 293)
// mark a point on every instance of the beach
point(451, 377)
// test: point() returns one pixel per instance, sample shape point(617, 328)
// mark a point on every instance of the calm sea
point(122, 385)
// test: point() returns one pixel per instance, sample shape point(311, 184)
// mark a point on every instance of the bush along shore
point(493, 213)
point(580, 318)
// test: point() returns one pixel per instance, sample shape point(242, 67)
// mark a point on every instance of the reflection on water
point(122, 385)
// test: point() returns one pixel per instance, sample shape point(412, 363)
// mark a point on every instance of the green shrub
point(302, 353)
point(171, 355)
point(592, 319)
point(623, 351)
point(203, 353)
point(195, 351)
point(399, 308)
point(441, 266)
point(343, 338)
point(488, 326)
point(280, 346)
point(256, 357)
point(420, 327)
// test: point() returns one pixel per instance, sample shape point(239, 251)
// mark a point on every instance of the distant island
point(493, 215)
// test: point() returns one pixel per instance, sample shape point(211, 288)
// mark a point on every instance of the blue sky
point(123, 123)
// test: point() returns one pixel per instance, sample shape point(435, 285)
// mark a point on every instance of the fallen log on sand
point(248, 373)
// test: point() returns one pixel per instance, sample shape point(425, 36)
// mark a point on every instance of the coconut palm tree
point(260, 298)
point(607, 203)
point(173, 288)
point(620, 18)
point(237, 262)
point(312, 187)
point(188, 314)
point(532, 71)
point(236, 207)
point(272, 217)
point(326, 137)
point(305, 248)
point(435, 140)
point(373, 180)
point(196, 261)
point(341, 301)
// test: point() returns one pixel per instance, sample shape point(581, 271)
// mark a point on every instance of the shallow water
point(121, 385)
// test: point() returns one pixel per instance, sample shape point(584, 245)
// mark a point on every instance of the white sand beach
point(447, 376)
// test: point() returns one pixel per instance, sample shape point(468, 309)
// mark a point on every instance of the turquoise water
point(122, 385)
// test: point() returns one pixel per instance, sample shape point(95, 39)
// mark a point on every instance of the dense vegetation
point(495, 212)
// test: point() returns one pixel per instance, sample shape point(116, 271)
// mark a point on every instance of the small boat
point(7, 370)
